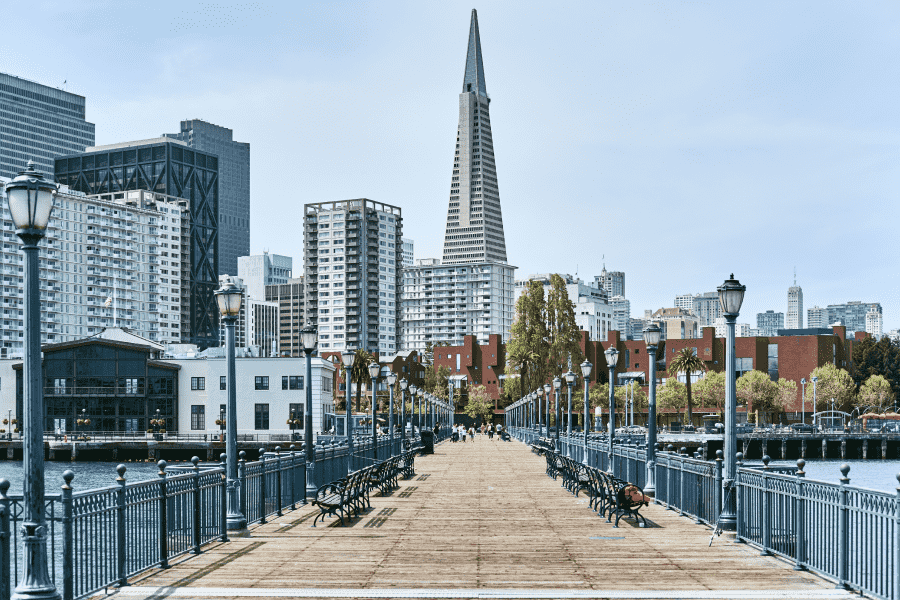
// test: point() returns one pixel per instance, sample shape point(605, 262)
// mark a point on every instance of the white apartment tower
point(794, 318)
point(613, 282)
point(474, 230)
point(352, 272)
point(874, 323)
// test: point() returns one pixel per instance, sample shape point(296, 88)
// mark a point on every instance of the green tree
point(359, 373)
point(672, 394)
point(599, 397)
point(480, 404)
point(641, 399)
point(710, 391)
point(686, 362)
point(876, 358)
point(785, 395)
point(527, 351)
point(875, 392)
point(757, 390)
point(833, 383)
point(437, 380)
point(564, 333)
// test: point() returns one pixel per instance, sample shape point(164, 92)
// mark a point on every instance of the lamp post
point(413, 393)
point(220, 422)
point(391, 379)
point(83, 422)
point(229, 298)
point(547, 387)
point(30, 198)
point(803, 401)
point(815, 380)
point(348, 357)
point(651, 339)
point(404, 384)
point(612, 356)
point(293, 422)
point(420, 394)
point(308, 338)
point(570, 383)
point(586, 373)
point(374, 370)
point(542, 411)
point(557, 385)
point(731, 296)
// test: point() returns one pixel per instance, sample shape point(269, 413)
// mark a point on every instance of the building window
point(198, 383)
point(261, 383)
point(327, 384)
point(742, 365)
point(773, 362)
point(292, 382)
point(262, 416)
point(198, 416)
point(223, 382)
point(296, 409)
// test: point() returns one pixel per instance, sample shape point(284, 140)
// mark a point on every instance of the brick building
point(474, 364)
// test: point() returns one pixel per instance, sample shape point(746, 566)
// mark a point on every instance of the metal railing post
point(766, 513)
point(717, 494)
point(738, 500)
point(293, 478)
point(262, 487)
point(897, 541)
point(843, 529)
point(681, 485)
point(242, 478)
point(195, 530)
point(121, 572)
point(163, 521)
point(5, 542)
point(800, 519)
point(278, 479)
point(223, 513)
point(68, 542)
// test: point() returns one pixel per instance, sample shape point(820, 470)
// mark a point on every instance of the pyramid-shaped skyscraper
point(474, 231)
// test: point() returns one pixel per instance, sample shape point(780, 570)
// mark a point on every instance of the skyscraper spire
point(474, 231)
point(474, 79)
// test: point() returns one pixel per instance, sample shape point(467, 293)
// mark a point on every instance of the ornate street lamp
point(586, 373)
point(540, 394)
point(229, 298)
point(30, 198)
point(731, 296)
point(308, 338)
point(220, 422)
point(348, 357)
point(413, 394)
point(83, 423)
point(570, 383)
point(803, 400)
point(420, 393)
point(815, 381)
point(293, 422)
point(651, 339)
point(403, 387)
point(612, 356)
point(391, 379)
point(374, 370)
point(557, 385)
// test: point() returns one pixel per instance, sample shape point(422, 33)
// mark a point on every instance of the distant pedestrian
point(462, 433)
point(490, 432)
point(472, 434)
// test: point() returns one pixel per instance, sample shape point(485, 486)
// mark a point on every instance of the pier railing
point(98, 539)
point(844, 533)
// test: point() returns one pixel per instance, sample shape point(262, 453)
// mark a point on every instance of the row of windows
point(261, 382)
point(260, 416)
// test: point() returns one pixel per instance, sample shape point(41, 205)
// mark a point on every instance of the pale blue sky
point(681, 141)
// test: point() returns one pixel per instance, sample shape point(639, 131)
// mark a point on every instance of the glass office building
point(39, 123)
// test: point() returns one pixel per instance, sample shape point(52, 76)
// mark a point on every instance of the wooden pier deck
point(480, 520)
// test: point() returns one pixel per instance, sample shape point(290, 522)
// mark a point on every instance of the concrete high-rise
point(408, 252)
point(817, 317)
point(289, 297)
point(874, 323)
point(352, 272)
point(234, 186)
point(39, 123)
point(613, 282)
point(794, 318)
point(474, 230)
point(261, 270)
point(165, 166)
point(769, 322)
point(852, 314)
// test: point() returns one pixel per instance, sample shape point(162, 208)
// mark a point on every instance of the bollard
point(5, 542)
point(800, 519)
point(195, 530)
point(262, 486)
point(223, 514)
point(843, 530)
point(242, 478)
point(163, 522)
point(68, 538)
point(121, 572)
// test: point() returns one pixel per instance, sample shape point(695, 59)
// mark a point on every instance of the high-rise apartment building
point(852, 315)
point(613, 282)
point(794, 318)
point(352, 272)
point(262, 270)
point(474, 230)
point(817, 317)
point(408, 255)
point(769, 322)
point(685, 301)
point(39, 123)
point(289, 297)
point(444, 303)
point(470, 292)
point(110, 261)
point(234, 186)
point(593, 311)
point(164, 166)
point(621, 309)
point(707, 308)
point(874, 323)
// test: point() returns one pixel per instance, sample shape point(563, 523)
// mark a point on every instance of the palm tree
point(359, 372)
point(687, 362)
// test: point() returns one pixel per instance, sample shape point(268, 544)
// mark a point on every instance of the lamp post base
point(311, 488)
point(234, 519)
point(36, 583)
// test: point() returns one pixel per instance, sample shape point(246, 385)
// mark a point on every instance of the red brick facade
point(482, 365)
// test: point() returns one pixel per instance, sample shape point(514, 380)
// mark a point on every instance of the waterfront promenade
point(480, 520)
